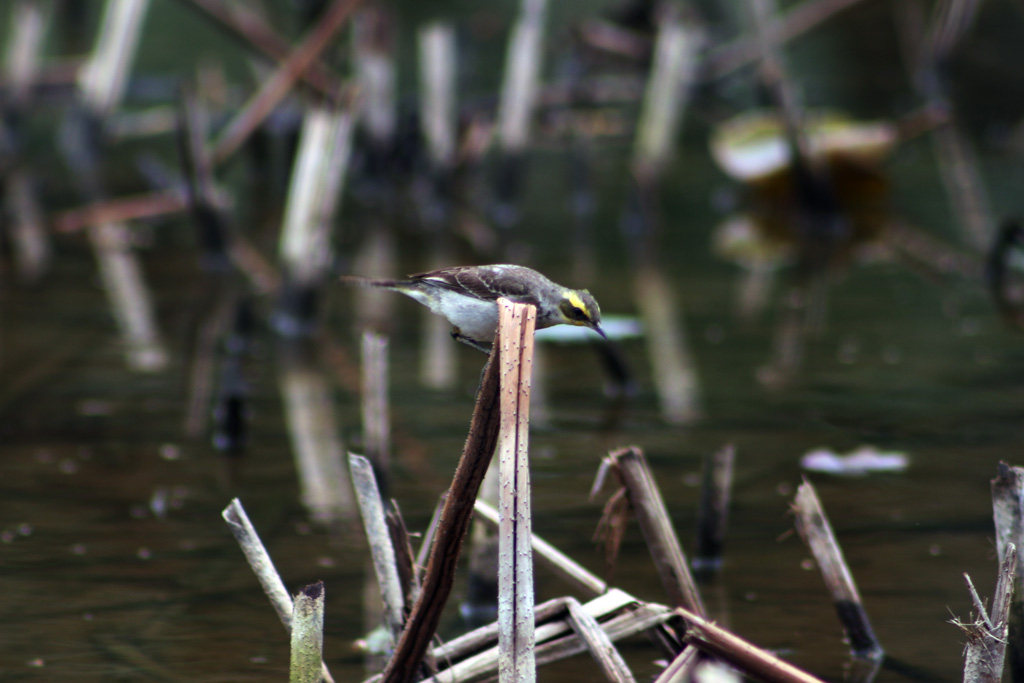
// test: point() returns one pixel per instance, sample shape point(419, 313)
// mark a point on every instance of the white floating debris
point(856, 463)
point(615, 326)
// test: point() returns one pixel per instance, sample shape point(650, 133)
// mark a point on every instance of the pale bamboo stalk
point(814, 528)
point(314, 195)
point(439, 362)
point(101, 84)
point(29, 21)
point(436, 42)
point(522, 73)
point(132, 306)
point(376, 257)
point(437, 54)
point(379, 539)
point(316, 441)
point(308, 635)
point(104, 76)
point(375, 413)
point(516, 323)
point(672, 76)
point(375, 72)
point(29, 237)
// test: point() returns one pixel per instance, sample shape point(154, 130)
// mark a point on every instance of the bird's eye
point(573, 312)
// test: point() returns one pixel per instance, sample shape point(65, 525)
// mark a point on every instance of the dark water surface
point(116, 565)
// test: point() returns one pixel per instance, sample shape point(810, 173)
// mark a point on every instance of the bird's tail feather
point(358, 281)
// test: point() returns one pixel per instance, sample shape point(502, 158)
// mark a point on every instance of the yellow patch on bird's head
point(578, 307)
point(574, 299)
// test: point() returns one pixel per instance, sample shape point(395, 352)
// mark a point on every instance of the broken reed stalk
point(375, 413)
point(783, 27)
point(747, 658)
point(241, 21)
point(423, 554)
point(680, 669)
point(1008, 513)
point(815, 530)
point(560, 563)
point(379, 539)
point(308, 635)
point(714, 509)
point(598, 643)
point(987, 635)
point(619, 614)
point(261, 564)
point(422, 623)
point(516, 324)
point(281, 81)
point(316, 441)
point(121, 209)
point(405, 562)
point(474, 656)
point(647, 504)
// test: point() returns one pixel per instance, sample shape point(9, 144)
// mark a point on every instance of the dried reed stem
point(516, 324)
point(816, 531)
point(308, 635)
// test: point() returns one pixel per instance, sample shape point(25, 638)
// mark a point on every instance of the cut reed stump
point(987, 633)
point(308, 635)
point(714, 509)
point(630, 466)
point(1008, 511)
point(259, 560)
point(814, 528)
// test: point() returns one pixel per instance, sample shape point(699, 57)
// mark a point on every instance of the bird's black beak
point(597, 328)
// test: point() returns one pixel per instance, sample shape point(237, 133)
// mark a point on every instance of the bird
point(468, 297)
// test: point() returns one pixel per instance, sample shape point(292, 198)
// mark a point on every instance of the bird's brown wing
point(483, 282)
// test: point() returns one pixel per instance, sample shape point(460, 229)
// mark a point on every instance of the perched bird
point(468, 297)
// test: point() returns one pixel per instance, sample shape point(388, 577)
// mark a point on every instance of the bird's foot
point(458, 336)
